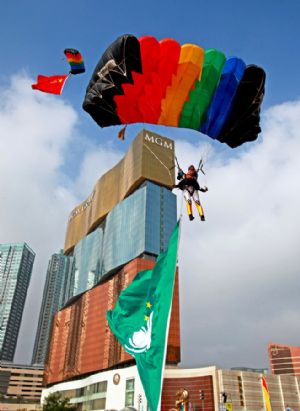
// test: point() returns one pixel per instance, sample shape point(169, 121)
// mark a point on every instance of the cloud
point(37, 132)
point(239, 279)
point(240, 269)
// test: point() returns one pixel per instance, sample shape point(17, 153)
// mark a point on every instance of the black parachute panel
point(243, 122)
point(114, 69)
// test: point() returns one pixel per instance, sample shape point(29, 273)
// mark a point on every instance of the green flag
point(140, 319)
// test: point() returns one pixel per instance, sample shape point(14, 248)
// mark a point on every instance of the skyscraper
point(16, 263)
point(119, 230)
point(55, 294)
point(139, 225)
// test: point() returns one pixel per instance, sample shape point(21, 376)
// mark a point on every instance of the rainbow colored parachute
point(162, 82)
point(75, 60)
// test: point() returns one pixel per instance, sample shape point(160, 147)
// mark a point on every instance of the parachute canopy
point(75, 60)
point(162, 82)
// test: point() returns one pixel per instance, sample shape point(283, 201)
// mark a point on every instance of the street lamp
point(139, 401)
point(224, 397)
point(202, 398)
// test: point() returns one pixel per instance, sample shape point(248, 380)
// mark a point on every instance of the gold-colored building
point(150, 157)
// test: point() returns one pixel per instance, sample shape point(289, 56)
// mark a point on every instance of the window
point(129, 393)
point(99, 387)
point(79, 392)
point(98, 404)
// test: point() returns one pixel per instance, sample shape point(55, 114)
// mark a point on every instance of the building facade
point(16, 263)
point(20, 386)
point(284, 359)
point(150, 157)
point(81, 341)
point(56, 291)
point(139, 225)
point(118, 231)
point(115, 389)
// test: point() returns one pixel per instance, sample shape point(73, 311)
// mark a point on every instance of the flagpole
point(69, 75)
point(169, 318)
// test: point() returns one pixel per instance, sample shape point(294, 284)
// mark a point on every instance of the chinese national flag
point(51, 84)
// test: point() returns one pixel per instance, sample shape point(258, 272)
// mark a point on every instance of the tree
point(56, 402)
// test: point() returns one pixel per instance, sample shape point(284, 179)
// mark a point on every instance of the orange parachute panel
point(189, 70)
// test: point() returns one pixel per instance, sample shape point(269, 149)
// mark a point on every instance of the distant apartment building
point(284, 359)
point(55, 294)
point(16, 263)
point(20, 387)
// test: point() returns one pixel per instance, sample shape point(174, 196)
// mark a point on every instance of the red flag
point(51, 84)
point(266, 394)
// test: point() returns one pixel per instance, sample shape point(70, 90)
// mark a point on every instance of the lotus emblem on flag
point(140, 340)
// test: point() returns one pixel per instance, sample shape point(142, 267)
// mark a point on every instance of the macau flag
point(140, 319)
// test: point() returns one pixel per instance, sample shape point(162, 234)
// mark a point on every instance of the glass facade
point(16, 262)
point(81, 342)
point(87, 262)
point(142, 223)
point(56, 293)
point(150, 157)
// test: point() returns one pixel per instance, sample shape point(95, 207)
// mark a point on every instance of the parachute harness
point(188, 203)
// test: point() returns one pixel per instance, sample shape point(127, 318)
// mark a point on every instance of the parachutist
point(190, 187)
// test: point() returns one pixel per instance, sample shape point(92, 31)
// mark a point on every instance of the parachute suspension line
point(200, 166)
point(207, 148)
point(181, 205)
point(119, 69)
point(168, 170)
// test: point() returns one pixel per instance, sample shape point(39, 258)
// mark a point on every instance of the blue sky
point(35, 33)
point(244, 275)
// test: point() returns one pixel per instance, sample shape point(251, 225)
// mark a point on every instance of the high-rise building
point(149, 157)
point(139, 225)
point(16, 263)
point(54, 297)
point(119, 230)
point(284, 359)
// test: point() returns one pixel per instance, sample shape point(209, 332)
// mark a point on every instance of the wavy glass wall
point(149, 157)
point(142, 223)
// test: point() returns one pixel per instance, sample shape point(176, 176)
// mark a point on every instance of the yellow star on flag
point(148, 304)
point(146, 318)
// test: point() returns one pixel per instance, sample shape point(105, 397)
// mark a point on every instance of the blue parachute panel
point(221, 104)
